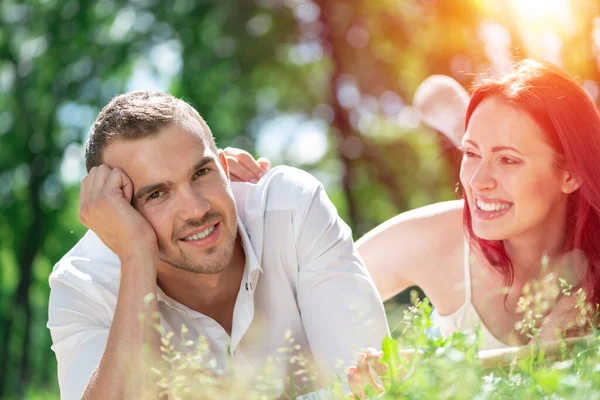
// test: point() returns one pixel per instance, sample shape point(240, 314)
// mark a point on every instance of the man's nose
point(192, 204)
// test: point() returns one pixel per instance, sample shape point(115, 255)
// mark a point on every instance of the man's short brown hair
point(137, 115)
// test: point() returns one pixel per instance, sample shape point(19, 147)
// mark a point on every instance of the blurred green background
point(319, 84)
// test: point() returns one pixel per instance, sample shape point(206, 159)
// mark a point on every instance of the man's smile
point(203, 237)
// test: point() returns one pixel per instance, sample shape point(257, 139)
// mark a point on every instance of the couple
point(243, 264)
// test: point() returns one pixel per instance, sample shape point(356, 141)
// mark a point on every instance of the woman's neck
point(527, 250)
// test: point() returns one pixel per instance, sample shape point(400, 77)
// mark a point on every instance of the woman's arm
point(407, 249)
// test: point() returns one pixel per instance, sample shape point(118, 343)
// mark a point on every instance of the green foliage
point(420, 366)
point(450, 368)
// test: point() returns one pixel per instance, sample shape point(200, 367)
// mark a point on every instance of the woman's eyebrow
point(495, 149)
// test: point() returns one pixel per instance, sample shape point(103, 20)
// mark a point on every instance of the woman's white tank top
point(466, 319)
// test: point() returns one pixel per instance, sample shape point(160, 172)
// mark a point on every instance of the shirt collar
point(252, 263)
point(252, 269)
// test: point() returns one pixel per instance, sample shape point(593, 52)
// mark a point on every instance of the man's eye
point(156, 195)
point(201, 172)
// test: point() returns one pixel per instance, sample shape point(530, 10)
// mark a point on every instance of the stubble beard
point(215, 260)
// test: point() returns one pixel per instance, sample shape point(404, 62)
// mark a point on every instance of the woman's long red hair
point(571, 123)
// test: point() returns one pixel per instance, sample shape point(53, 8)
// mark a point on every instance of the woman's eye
point(507, 160)
point(469, 154)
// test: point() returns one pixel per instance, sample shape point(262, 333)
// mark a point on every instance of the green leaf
point(390, 356)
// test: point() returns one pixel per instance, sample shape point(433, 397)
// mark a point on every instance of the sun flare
point(540, 13)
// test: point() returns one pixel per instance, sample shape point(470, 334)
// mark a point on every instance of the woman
point(531, 186)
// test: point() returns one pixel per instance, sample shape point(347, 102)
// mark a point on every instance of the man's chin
point(214, 261)
point(208, 269)
point(197, 269)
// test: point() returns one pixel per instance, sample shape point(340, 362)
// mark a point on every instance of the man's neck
point(213, 295)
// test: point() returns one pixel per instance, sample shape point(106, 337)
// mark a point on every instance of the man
point(246, 266)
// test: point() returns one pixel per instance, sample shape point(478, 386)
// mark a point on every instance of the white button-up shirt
point(303, 280)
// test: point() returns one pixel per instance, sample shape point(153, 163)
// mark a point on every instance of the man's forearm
point(124, 364)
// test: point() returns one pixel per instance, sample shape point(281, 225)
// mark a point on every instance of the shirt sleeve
point(78, 336)
point(341, 310)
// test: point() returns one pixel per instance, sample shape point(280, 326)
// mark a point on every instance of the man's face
point(182, 189)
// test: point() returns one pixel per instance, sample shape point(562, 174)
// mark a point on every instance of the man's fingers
point(367, 374)
point(117, 179)
point(362, 366)
point(83, 188)
point(379, 368)
point(355, 383)
point(100, 176)
point(375, 380)
point(86, 193)
point(373, 358)
point(86, 185)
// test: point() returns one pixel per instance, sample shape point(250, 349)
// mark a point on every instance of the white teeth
point(492, 206)
point(200, 235)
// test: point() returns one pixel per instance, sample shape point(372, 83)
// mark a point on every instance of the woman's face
point(509, 173)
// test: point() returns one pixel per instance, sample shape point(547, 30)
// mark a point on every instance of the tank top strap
point(467, 268)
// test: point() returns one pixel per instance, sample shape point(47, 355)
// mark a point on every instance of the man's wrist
point(139, 261)
point(138, 253)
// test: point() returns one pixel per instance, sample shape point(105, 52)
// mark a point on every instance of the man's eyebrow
point(203, 161)
point(147, 189)
point(495, 149)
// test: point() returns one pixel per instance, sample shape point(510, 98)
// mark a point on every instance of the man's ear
point(224, 163)
point(570, 182)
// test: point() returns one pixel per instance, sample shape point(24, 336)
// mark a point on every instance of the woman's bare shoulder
point(408, 249)
point(433, 221)
point(438, 211)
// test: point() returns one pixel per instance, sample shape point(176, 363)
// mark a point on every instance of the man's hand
point(105, 208)
point(243, 167)
point(366, 373)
